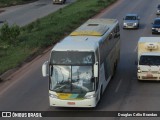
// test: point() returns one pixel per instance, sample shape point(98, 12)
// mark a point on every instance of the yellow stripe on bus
point(64, 95)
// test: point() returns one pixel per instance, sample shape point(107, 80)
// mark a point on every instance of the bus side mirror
point(45, 69)
point(96, 69)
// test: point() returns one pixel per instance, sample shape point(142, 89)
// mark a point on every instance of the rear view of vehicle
point(131, 21)
point(158, 10)
point(148, 58)
point(156, 26)
point(59, 1)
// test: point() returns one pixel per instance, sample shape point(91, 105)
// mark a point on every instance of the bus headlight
point(89, 96)
point(53, 96)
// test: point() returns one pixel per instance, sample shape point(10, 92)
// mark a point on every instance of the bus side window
point(97, 55)
point(117, 28)
point(110, 36)
point(116, 31)
point(107, 67)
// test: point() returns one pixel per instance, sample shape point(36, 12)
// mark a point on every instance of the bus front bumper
point(72, 103)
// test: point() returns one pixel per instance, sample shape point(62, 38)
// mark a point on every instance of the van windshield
point(149, 60)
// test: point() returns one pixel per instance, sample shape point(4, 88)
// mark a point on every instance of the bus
point(82, 64)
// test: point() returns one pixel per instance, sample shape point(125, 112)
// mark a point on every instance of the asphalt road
point(28, 90)
point(25, 14)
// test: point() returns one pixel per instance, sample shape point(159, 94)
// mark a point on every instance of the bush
point(9, 34)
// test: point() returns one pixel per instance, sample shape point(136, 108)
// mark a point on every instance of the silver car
point(131, 21)
point(59, 1)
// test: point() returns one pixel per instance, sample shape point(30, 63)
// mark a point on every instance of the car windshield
point(158, 6)
point(130, 18)
point(149, 60)
point(157, 22)
point(71, 79)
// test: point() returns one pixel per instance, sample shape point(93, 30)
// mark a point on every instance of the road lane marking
point(118, 85)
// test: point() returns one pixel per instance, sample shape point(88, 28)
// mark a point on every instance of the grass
point(45, 32)
point(5, 3)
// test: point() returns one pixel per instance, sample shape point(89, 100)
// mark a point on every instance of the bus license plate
point(71, 103)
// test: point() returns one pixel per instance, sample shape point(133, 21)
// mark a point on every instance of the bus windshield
point(72, 58)
point(71, 79)
point(71, 71)
point(149, 60)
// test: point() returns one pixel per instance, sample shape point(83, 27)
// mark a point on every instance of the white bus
point(82, 64)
